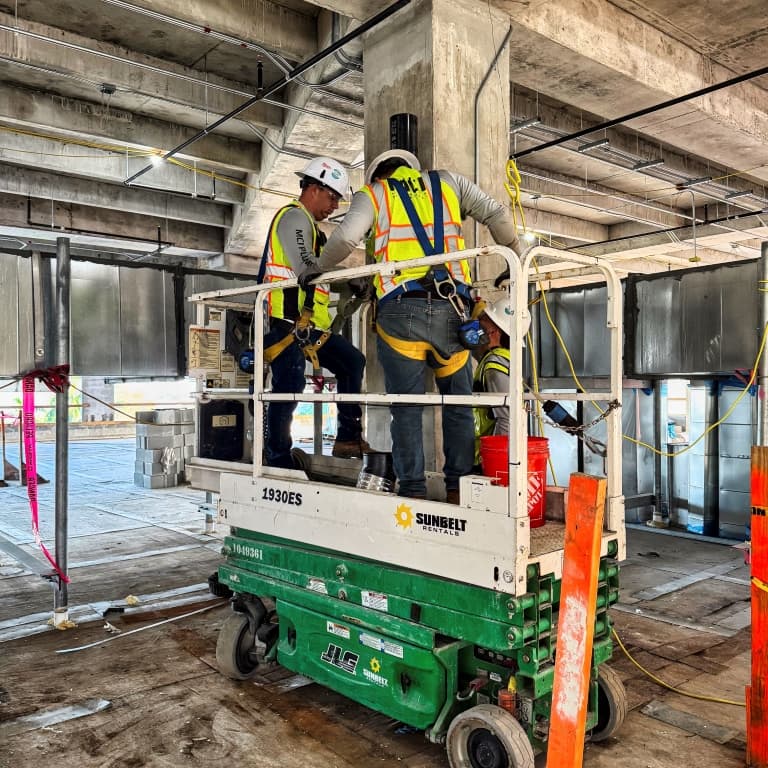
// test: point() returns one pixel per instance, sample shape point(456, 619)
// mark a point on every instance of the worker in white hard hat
point(492, 372)
point(417, 327)
point(300, 321)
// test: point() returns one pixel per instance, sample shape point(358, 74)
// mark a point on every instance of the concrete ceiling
point(91, 90)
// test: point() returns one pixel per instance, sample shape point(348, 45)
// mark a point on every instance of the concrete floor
point(683, 614)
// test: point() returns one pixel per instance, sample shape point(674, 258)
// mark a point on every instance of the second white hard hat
point(410, 160)
point(328, 171)
point(501, 313)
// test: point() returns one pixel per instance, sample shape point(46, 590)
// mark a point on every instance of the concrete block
point(150, 481)
point(145, 417)
point(187, 429)
point(158, 443)
point(190, 440)
point(188, 451)
point(167, 416)
point(155, 430)
point(138, 467)
point(187, 415)
point(141, 442)
point(177, 441)
point(151, 456)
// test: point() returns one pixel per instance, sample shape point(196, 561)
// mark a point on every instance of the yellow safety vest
point(485, 421)
point(394, 238)
point(287, 304)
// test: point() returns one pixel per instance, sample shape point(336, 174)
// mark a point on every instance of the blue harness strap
point(430, 249)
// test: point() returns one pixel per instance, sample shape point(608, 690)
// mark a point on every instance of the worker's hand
point(361, 287)
point(307, 276)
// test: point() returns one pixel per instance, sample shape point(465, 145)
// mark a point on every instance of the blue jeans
point(337, 355)
point(435, 322)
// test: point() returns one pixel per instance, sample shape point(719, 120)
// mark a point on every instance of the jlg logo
point(345, 660)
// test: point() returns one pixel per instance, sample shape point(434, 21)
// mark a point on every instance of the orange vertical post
point(757, 706)
point(576, 622)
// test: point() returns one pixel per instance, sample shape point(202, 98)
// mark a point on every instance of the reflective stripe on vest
point(394, 238)
point(286, 304)
point(496, 359)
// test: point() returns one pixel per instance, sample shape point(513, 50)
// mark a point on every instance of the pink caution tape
point(28, 421)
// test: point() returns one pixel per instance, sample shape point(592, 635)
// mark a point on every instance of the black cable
point(642, 112)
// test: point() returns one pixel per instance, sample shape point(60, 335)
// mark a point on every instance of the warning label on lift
point(381, 645)
point(374, 600)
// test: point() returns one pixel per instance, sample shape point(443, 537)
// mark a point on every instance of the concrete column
point(430, 60)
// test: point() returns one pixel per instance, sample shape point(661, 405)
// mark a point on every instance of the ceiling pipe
point(311, 62)
point(159, 71)
point(647, 111)
point(478, 93)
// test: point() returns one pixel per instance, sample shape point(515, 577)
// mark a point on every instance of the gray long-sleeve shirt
point(473, 202)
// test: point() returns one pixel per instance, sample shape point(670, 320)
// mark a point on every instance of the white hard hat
point(501, 314)
point(326, 170)
point(410, 160)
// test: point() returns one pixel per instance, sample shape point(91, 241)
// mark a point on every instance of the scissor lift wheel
point(611, 704)
point(487, 736)
point(236, 648)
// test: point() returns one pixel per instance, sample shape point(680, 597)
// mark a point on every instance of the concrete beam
point(145, 84)
point(75, 160)
point(107, 224)
point(355, 9)
point(48, 186)
point(600, 203)
point(555, 51)
point(742, 229)
point(89, 120)
point(303, 134)
point(549, 224)
point(569, 120)
point(283, 30)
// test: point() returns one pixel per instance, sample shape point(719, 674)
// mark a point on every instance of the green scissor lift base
point(418, 648)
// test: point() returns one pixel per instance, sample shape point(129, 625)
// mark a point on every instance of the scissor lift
point(430, 613)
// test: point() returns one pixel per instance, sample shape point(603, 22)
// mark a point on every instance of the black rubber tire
point(487, 736)
point(232, 647)
point(611, 704)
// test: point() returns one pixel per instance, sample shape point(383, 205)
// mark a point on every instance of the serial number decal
point(244, 550)
point(281, 497)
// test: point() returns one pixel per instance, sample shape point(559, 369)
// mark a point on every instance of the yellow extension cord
point(669, 687)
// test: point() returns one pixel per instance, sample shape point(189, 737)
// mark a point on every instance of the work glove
point(361, 287)
point(307, 276)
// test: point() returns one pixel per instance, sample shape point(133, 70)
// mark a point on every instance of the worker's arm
point(296, 235)
point(349, 233)
point(484, 209)
point(496, 381)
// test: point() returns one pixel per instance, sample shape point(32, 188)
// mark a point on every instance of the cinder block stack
point(165, 441)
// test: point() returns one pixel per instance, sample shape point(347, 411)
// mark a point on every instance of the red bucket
point(494, 458)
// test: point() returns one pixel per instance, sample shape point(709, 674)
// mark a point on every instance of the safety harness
point(302, 328)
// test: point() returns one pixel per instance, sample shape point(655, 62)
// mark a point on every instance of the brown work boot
point(452, 496)
point(350, 449)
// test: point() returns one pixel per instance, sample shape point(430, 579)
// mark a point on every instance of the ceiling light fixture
point(694, 182)
point(522, 125)
point(645, 164)
point(734, 195)
point(592, 145)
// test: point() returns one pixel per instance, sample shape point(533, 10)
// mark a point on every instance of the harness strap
point(430, 249)
point(417, 350)
point(311, 350)
point(271, 352)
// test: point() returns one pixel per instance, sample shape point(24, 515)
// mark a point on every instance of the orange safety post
point(576, 622)
point(757, 706)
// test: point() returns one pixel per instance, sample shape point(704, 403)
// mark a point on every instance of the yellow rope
point(669, 687)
